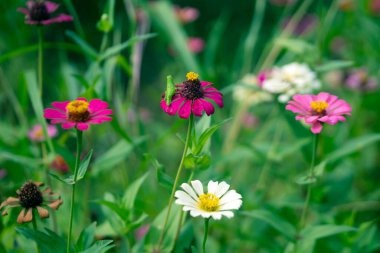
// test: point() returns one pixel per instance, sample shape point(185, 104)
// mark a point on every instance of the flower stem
point(34, 222)
point(180, 167)
point(205, 236)
point(311, 176)
point(40, 59)
point(79, 148)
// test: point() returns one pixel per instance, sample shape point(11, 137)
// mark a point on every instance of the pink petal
point(58, 121)
point(101, 113)
point(30, 4)
point(50, 113)
point(173, 107)
point(23, 10)
point(316, 128)
point(211, 89)
point(197, 108)
point(303, 100)
point(60, 18)
point(299, 117)
point(185, 110)
point(61, 105)
point(209, 108)
point(51, 7)
point(68, 125)
point(332, 120)
point(216, 97)
point(99, 120)
point(296, 108)
point(311, 119)
point(82, 126)
point(97, 105)
point(204, 83)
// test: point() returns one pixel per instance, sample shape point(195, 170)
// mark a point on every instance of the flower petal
point(68, 125)
point(58, 19)
point(51, 7)
point(185, 110)
point(212, 187)
point(189, 191)
point(82, 126)
point(184, 199)
point(222, 189)
point(42, 212)
point(316, 128)
point(198, 187)
point(50, 113)
point(209, 108)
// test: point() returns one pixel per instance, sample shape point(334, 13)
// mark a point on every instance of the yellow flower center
point(39, 133)
point(77, 111)
point(319, 106)
point(208, 202)
point(192, 76)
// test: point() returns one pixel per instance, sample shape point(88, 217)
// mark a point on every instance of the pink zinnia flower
point(318, 109)
point(78, 113)
point(36, 133)
point(190, 97)
point(195, 44)
point(186, 14)
point(39, 13)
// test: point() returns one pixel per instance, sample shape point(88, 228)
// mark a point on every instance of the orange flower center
point(208, 202)
point(77, 111)
point(319, 106)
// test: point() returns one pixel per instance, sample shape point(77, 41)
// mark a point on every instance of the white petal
point(205, 214)
point(212, 186)
point(189, 190)
point(229, 196)
point(195, 213)
point(197, 185)
point(222, 189)
point(228, 214)
point(216, 215)
point(184, 199)
point(236, 204)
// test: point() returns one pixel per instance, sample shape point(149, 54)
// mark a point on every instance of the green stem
point(40, 59)
point(34, 222)
point(180, 167)
point(79, 148)
point(205, 236)
point(76, 20)
point(311, 176)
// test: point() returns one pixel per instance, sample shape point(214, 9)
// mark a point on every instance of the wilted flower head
point(186, 15)
point(318, 109)
point(291, 79)
point(359, 79)
point(59, 164)
point(195, 44)
point(78, 113)
point(248, 91)
point(39, 13)
point(217, 202)
point(30, 197)
point(36, 134)
point(191, 97)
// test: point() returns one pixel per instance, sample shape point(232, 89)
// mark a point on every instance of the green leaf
point(310, 234)
point(86, 238)
point(68, 180)
point(306, 179)
point(23, 160)
point(99, 247)
point(83, 166)
point(334, 65)
point(87, 49)
point(163, 178)
point(120, 211)
point(118, 48)
point(35, 98)
point(199, 162)
point(346, 149)
point(277, 222)
point(116, 154)
point(131, 192)
point(48, 241)
point(296, 46)
point(163, 16)
point(205, 136)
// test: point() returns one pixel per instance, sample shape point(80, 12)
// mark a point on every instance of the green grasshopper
point(170, 90)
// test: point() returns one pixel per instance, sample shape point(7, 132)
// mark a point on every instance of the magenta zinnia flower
point(39, 13)
point(190, 97)
point(318, 109)
point(78, 113)
point(36, 134)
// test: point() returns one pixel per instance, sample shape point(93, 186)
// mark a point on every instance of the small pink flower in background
point(59, 164)
point(305, 25)
point(262, 76)
point(141, 232)
point(192, 97)
point(346, 5)
point(282, 2)
point(195, 44)
point(186, 15)
point(3, 173)
point(374, 7)
point(318, 109)
point(36, 134)
point(360, 80)
point(78, 113)
point(39, 13)
point(250, 121)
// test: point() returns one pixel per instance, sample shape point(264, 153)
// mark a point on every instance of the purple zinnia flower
point(39, 13)
point(359, 79)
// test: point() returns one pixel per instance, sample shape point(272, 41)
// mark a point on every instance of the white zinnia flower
point(218, 201)
point(291, 79)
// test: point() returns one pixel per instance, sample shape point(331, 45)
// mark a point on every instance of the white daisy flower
point(291, 79)
point(218, 201)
